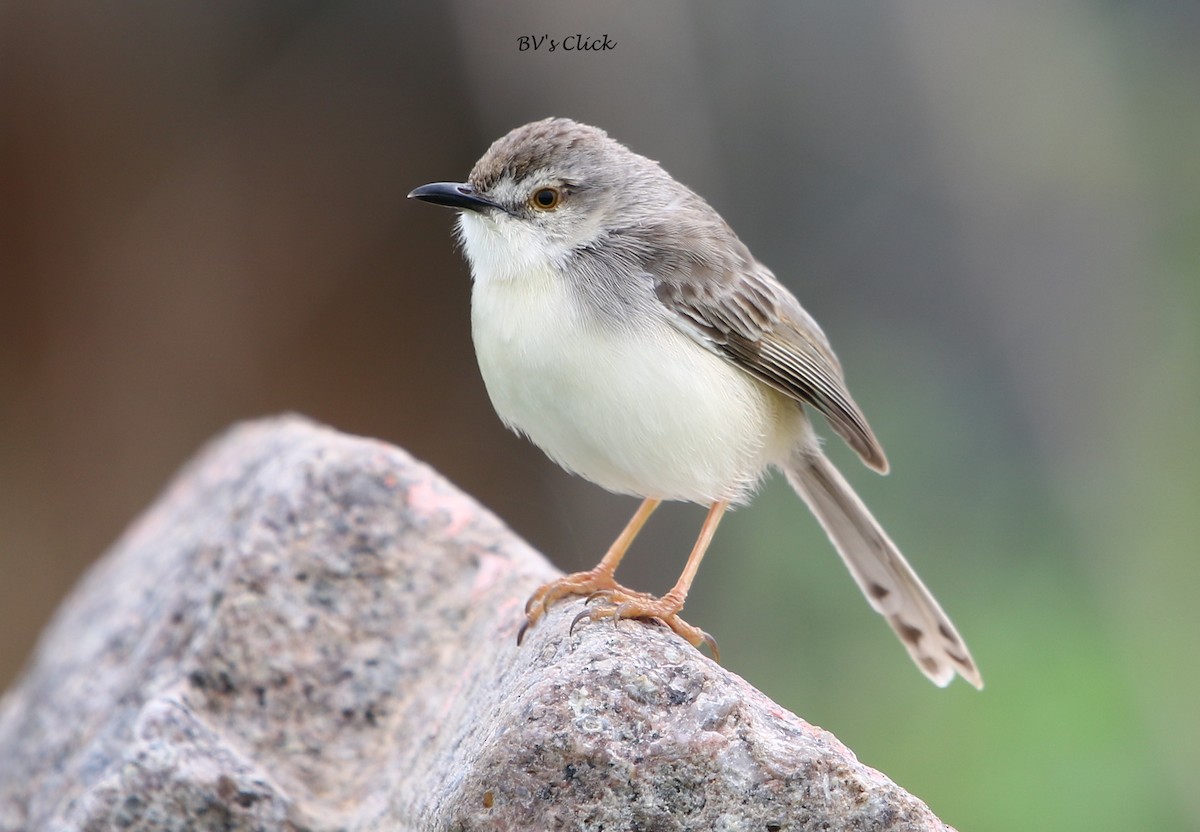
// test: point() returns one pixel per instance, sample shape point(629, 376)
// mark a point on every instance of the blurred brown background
point(991, 208)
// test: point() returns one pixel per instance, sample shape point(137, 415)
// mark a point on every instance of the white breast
point(638, 409)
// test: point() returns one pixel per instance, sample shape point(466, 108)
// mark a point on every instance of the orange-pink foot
point(615, 602)
point(580, 583)
point(618, 603)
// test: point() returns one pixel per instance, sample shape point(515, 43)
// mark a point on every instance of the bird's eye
point(546, 199)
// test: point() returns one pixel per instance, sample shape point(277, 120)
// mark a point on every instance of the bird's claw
point(641, 608)
point(604, 598)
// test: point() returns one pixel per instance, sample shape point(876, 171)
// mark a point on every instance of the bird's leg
point(625, 604)
point(598, 579)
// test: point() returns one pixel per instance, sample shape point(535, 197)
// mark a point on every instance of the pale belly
point(647, 411)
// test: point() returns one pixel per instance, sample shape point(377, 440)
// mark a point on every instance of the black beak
point(453, 195)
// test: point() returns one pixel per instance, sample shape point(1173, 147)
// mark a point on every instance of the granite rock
point(313, 631)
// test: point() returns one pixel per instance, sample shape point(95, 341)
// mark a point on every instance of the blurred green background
point(993, 209)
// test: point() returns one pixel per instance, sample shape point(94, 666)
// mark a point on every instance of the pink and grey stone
point(313, 631)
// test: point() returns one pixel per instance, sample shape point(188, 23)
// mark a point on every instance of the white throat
point(503, 249)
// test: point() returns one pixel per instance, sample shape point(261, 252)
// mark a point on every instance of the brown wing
point(752, 320)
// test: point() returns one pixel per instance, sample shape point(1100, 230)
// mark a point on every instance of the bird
point(621, 325)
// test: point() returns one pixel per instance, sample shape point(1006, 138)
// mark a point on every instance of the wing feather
point(748, 317)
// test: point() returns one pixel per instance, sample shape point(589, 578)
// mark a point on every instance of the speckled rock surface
point(313, 631)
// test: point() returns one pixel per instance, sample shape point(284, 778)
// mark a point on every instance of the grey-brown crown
point(540, 145)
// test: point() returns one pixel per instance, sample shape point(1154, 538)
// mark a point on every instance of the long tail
point(890, 584)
